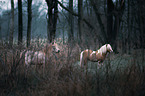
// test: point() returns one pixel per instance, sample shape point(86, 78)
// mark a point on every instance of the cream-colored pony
point(40, 57)
point(94, 56)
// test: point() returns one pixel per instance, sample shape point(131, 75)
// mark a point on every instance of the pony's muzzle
point(111, 51)
point(58, 51)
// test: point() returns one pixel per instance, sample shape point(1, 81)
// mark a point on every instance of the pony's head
point(55, 47)
point(106, 48)
point(109, 48)
point(52, 47)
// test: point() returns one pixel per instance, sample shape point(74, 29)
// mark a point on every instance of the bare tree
point(20, 22)
point(102, 28)
point(128, 24)
point(11, 23)
point(114, 25)
point(29, 10)
point(141, 16)
point(71, 21)
point(52, 18)
point(75, 14)
point(0, 28)
point(80, 14)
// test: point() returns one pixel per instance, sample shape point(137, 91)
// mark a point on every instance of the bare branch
point(75, 14)
point(67, 9)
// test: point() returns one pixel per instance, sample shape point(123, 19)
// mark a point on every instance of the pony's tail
point(81, 58)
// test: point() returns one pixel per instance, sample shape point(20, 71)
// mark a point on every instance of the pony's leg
point(43, 69)
point(81, 60)
point(26, 66)
point(85, 65)
point(26, 69)
point(99, 65)
point(81, 63)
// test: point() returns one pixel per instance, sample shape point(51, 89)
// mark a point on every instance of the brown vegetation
point(64, 77)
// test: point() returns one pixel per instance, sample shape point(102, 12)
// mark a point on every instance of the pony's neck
point(102, 50)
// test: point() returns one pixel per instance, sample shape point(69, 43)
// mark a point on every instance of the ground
point(120, 74)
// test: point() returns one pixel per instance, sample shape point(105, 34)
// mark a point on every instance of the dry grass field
point(120, 75)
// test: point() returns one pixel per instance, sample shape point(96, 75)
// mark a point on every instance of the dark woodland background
point(75, 25)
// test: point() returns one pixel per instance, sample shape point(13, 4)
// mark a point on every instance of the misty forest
point(72, 47)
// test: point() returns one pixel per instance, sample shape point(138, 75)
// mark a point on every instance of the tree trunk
point(100, 22)
point(52, 18)
point(114, 25)
point(55, 13)
point(11, 24)
point(71, 22)
point(110, 7)
point(80, 23)
point(20, 22)
point(29, 10)
point(141, 16)
point(128, 25)
point(49, 23)
point(63, 27)
point(0, 28)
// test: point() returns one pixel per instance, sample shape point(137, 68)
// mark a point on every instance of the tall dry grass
point(64, 77)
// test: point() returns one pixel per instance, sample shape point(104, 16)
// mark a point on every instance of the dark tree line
point(107, 20)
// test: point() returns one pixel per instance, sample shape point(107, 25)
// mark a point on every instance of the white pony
point(94, 56)
point(40, 57)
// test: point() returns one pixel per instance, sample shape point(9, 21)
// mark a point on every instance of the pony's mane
point(103, 49)
point(109, 46)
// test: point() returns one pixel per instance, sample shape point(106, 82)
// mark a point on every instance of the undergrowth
point(64, 77)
